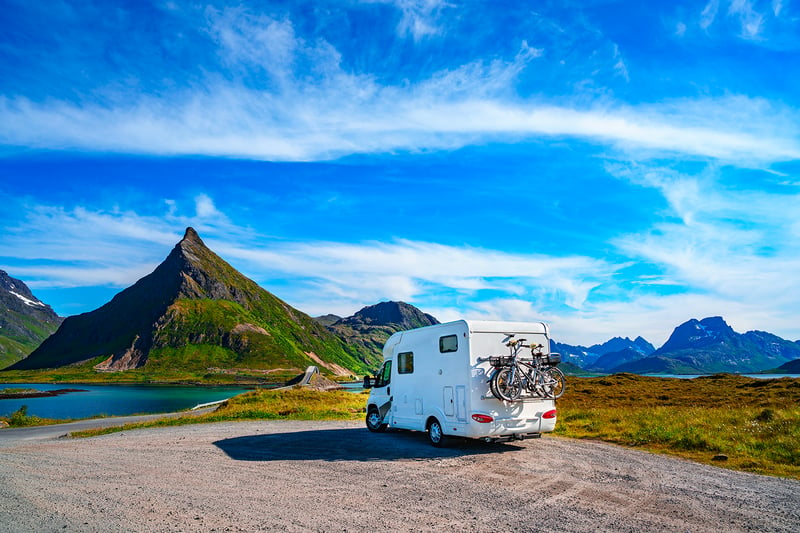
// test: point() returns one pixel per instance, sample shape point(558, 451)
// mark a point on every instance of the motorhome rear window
point(448, 344)
point(405, 363)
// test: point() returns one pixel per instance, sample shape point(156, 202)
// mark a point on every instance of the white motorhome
point(436, 379)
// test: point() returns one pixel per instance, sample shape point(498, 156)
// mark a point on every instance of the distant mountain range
point(702, 346)
point(25, 321)
point(604, 357)
point(195, 312)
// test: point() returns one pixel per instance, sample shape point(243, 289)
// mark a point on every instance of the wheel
point(435, 434)
point(553, 383)
point(508, 384)
point(493, 384)
point(374, 421)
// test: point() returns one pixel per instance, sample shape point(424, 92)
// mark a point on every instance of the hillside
point(792, 367)
point(366, 331)
point(25, 321)
point(193, 312)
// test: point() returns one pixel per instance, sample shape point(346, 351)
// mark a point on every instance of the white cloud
point(709, 14)
point(750, 20)
point(408, 269)
point(734, 252)
point(419, 17)
point(306, 106)
point(244, 123)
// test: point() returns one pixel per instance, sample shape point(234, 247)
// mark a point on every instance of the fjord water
point(112, 400)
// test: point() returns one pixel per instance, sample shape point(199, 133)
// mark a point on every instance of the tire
point(507, 384)
point(374, 421)
point(493, 384)
point(435, 434)
point(555, 383)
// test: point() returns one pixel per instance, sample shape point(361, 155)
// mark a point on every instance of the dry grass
point(753, 423)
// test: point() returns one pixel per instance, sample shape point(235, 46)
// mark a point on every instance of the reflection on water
point(112, 400)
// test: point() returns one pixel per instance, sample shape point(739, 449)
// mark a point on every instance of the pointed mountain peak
point(191, 236)
point(695, 333)
point(717, 323)
point(191, 243)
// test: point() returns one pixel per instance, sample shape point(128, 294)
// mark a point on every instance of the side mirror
point(367, 382)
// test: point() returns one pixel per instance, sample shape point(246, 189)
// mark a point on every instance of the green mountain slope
point(194, 312)
point(25, 321)
point(366, 332)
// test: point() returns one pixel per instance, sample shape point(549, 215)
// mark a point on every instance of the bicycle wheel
point(553, 382)
point(493, 383)
point(507, 384)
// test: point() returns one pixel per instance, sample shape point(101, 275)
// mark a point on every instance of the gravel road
point(336, 476)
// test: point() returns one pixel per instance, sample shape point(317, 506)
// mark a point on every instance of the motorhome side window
point(405, 363)
point(448, 344)
point(383, 377)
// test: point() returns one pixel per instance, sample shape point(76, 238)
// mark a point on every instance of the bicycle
point(539, 375)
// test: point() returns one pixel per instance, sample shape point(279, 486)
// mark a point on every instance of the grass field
point(287, 404)
point(729, 421)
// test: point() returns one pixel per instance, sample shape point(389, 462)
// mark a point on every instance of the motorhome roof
point(497, 326)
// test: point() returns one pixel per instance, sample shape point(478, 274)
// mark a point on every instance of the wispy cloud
point(237, 122)
point(758, 22)
point(419, 17)
point(708, 253)
point(730, 249)
point(57, 247)
point(307, 106)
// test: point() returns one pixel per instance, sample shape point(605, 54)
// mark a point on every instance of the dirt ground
point(336, 476)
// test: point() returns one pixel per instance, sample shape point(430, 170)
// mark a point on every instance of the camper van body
point(436, 379)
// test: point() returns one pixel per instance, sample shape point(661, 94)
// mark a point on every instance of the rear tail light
point(550, 414)
point(483, 419)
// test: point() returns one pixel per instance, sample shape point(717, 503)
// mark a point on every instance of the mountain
point(792, 367)
point(620, 344)
point(367, 331)
point(710, 345)
point(25, 321)
point(327, 320)
point(192, 313)
point(601, 357)
point(611, 360)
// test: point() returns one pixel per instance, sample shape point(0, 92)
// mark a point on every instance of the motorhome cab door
point(382, 390)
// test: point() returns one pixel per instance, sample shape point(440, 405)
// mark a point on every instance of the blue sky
point(611, 167)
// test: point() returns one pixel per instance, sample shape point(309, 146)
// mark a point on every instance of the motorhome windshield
point(385, 374)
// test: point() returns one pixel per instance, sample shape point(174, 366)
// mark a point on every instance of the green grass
point(289, 404)
point(754, 423)
point(20, 418)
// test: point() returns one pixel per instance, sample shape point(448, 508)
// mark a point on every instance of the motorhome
point(436, 379)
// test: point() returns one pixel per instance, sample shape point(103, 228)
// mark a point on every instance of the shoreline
point(33, 393)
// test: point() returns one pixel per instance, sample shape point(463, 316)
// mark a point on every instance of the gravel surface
point(336, 476)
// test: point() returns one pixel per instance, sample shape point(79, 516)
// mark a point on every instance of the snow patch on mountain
point(27, 301)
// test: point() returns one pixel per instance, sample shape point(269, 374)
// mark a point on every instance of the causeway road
point(336, 476)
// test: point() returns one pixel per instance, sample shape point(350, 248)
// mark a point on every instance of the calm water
point(112, 400)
